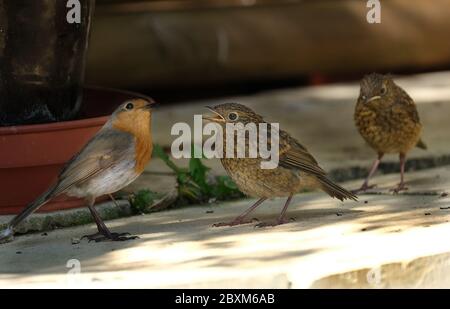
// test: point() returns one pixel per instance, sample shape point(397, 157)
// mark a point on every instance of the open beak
point(213, 118)
point(150, 103)
point(373, 98)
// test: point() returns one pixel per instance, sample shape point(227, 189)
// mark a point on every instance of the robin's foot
point(363, 189)
point(400, 187)
point(101, 236)
point(235, 222)
point(275, 223)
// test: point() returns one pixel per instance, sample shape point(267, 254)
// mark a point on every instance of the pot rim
point(70, 124)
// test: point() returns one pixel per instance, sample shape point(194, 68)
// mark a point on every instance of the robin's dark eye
point(383, 90)
point(233, 116)
point(129, 106)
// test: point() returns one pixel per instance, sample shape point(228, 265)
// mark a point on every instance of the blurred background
point(177, 50)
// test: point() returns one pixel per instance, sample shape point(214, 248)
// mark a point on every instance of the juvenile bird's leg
point(365, 186)
point(401, 186)
point(113, 199)
point(241, 218)
point(281, 219)
point(103, 232)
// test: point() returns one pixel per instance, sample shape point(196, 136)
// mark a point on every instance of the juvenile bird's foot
point(275, 223)
point(363, 189)
point(400, 187)
point(101, 236)
point(7, 235)
point(235, 222)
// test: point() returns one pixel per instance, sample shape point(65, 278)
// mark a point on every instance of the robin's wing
point(404, 107)
point(295, 155)
point(107, 148)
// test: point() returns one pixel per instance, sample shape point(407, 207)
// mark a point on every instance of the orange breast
point(143, 148)
point(139, 125)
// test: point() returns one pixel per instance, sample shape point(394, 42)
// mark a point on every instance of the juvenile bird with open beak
point(297, 169)
point(387, 119)
point(111, 160)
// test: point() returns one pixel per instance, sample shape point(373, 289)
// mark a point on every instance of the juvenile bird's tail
point(421, 144)
point(334, 190)
point(8, 233)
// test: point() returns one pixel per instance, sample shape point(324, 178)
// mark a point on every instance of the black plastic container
point(42, 60)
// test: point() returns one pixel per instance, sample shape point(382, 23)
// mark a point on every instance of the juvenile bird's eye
point(233, 116)
point(129, 106)
point(383, 90)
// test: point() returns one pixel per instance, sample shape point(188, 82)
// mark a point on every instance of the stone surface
point(72, 217)
point(383, 240)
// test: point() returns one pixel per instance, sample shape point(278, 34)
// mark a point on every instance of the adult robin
point(296, 170)
point(111, 160)
point(387, 119)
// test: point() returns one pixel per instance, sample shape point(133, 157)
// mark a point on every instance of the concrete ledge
point(53, 220)
point(330, 244)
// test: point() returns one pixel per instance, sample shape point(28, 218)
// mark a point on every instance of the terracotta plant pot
point(31, 156)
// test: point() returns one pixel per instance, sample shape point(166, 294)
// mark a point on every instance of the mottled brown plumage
point(387, 119)
point(297, 169)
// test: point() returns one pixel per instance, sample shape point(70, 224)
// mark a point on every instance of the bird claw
point(235, 222)
point(100, 236)
point(400, 187)
point(274, 223)
point(363, 188)
point(7, 235)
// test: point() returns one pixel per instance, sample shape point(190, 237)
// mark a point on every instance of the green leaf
point(225, 188)
point(142, 199)
point(192, 182)
point(197, 170)
point(158, 151)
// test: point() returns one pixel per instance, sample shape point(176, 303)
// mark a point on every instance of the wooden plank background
point(141, 47)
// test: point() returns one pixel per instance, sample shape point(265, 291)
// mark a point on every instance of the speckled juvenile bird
point(297, 169)
point(111, 160)
point(387, 119)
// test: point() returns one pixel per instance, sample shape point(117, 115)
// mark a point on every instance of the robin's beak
point(149, 104)
point(377, 97)
point(213, 118)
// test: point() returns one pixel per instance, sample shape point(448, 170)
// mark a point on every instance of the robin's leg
point(365, 186)
point(103, 232)
point(241, 218)
point(281, 219)
point(401, 186)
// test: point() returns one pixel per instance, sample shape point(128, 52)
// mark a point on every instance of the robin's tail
point(421, 144)
point(334, 190)
point(8, 233)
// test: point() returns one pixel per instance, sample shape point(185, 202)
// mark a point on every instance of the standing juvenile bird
point(387, 119)
point(297, 169)
point(111, 160)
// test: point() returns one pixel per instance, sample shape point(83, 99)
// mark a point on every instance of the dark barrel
point(42, 59)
